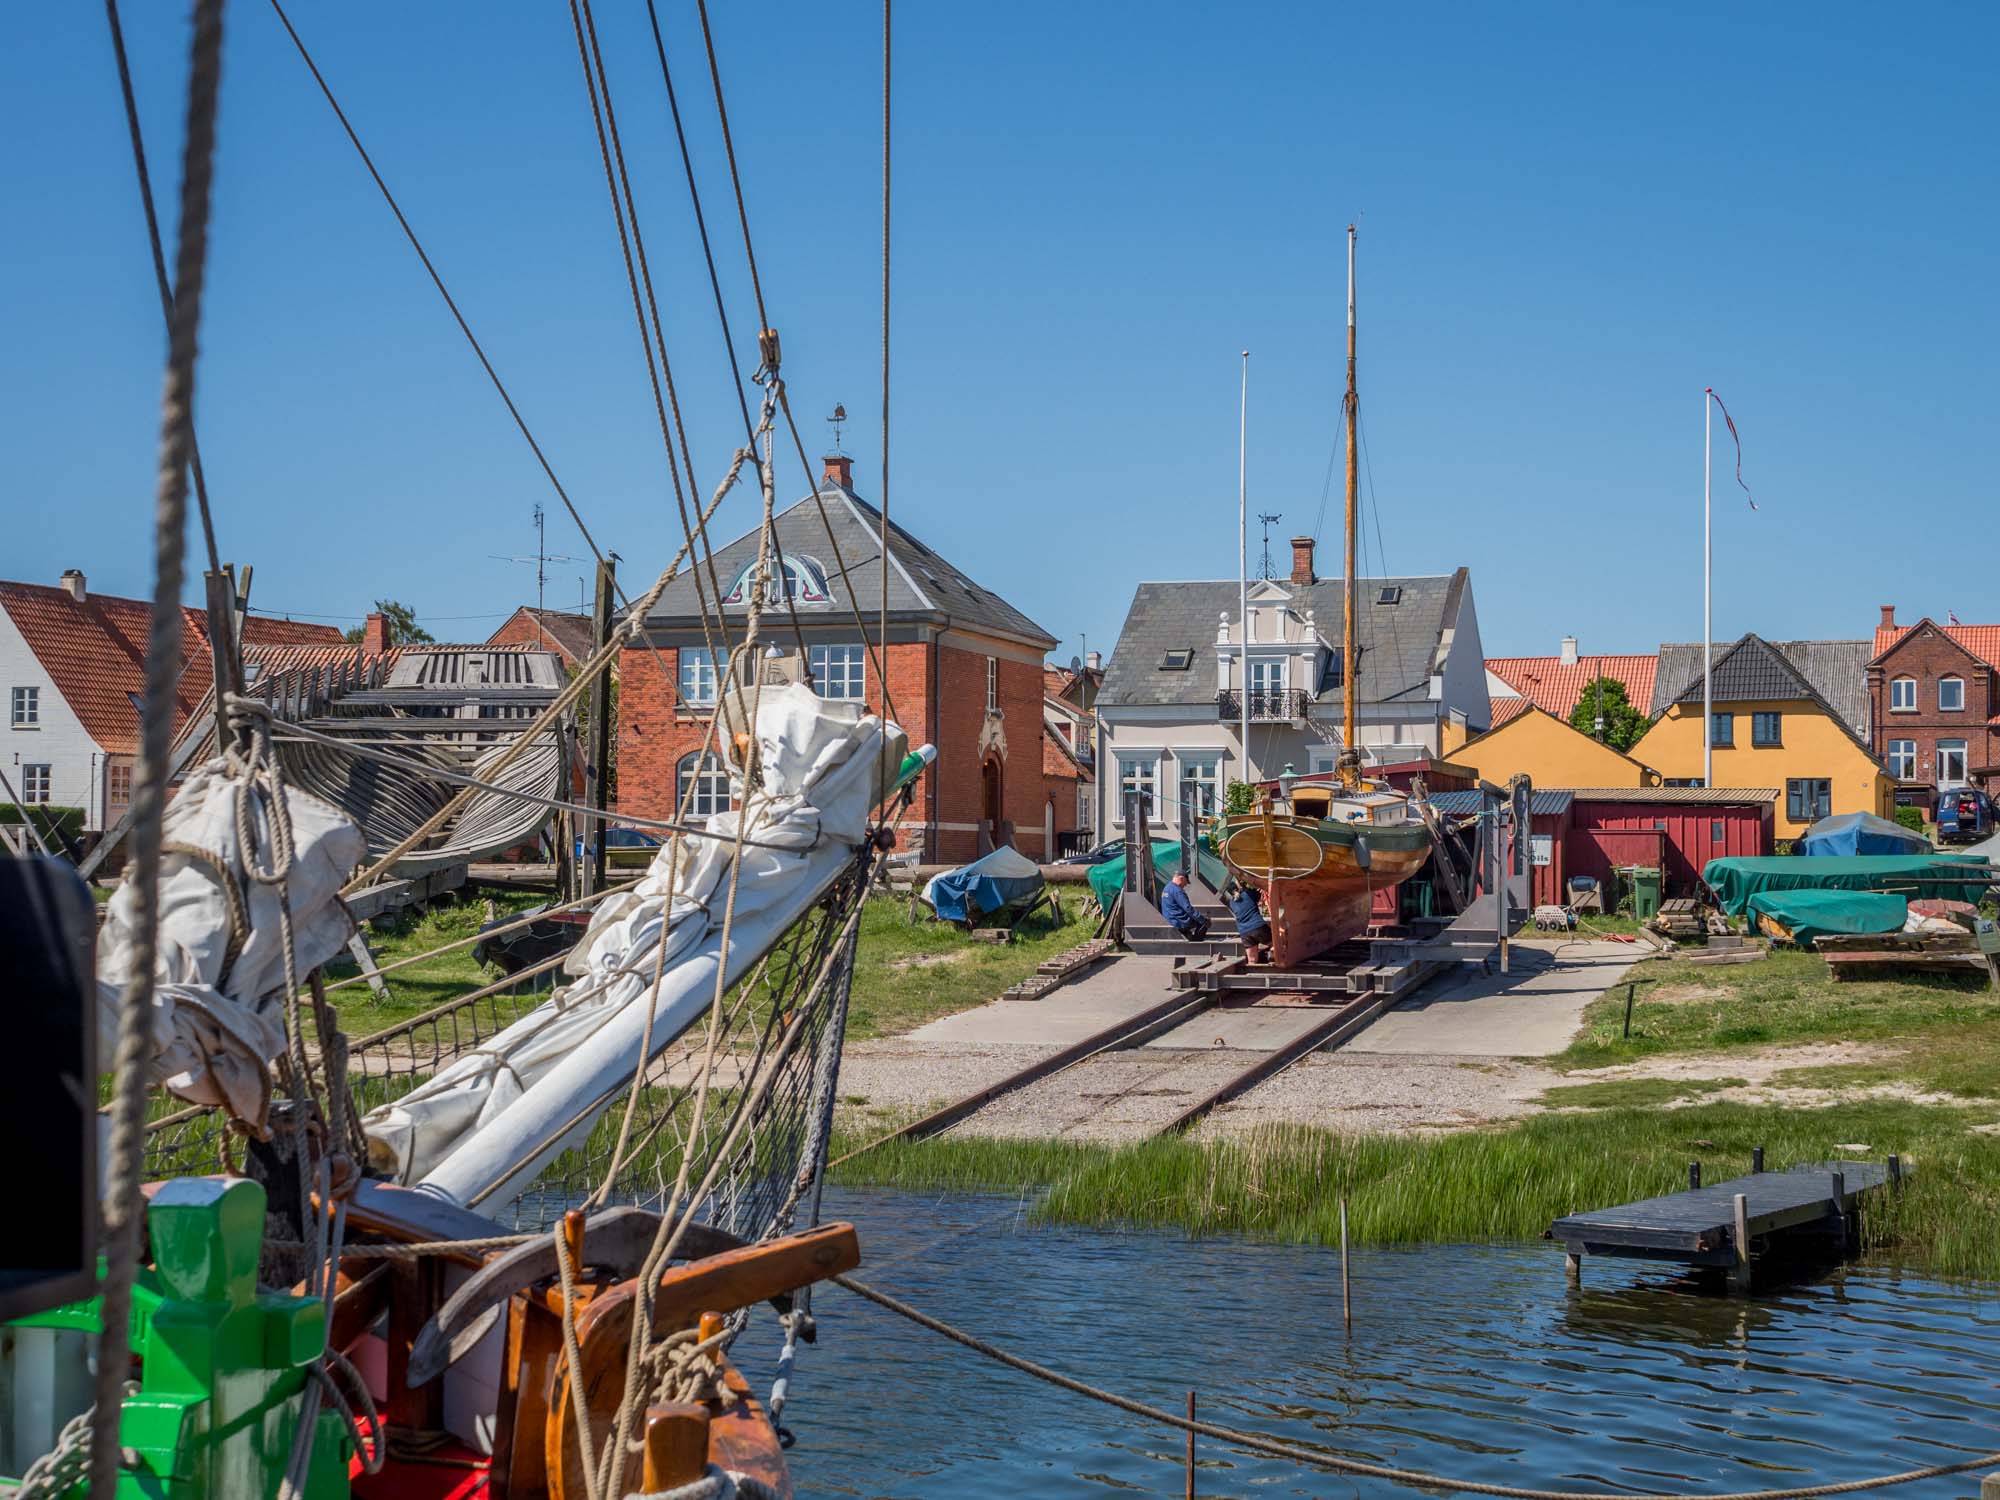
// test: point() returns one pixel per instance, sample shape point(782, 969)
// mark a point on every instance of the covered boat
point(1799, 916)
point(1861, 833)
point(1945, 877)
point(1005, 880)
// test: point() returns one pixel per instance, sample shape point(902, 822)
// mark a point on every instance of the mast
point(1243, 563)
point(1350, 754)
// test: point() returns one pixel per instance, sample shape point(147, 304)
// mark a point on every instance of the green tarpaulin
point(1108, 878)
point(1938, 877)
point(1808, 914)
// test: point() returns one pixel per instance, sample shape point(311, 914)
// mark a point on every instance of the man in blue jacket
point(1180, 912)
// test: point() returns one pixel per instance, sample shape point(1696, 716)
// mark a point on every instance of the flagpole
point(1707, 592)
point(1243, 561)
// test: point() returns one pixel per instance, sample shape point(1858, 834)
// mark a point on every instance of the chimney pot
point(1302, 560)
point(1569, 651)
point(375, 634)
point(839, 469)
point(1888, 616)
point(72, 583)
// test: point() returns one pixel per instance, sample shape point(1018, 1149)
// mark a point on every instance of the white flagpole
point(1707, 593)
point(1243, 561)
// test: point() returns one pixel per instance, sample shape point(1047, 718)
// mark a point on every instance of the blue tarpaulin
point(991, 883)
point(1861, 833)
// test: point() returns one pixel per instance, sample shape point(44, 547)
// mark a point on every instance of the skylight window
point(1392, 594)
point(1178, 660)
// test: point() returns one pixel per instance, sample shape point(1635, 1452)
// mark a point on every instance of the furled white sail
point(481, 1129)
point(218, 1002)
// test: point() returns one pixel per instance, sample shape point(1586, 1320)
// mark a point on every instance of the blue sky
point(1573, 218)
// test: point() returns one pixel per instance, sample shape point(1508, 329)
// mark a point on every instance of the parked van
point(1964, 815)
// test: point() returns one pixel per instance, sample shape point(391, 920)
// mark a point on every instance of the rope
point(123, 1204)
point(579, 1399)
point(419, 1249)
point(715, 1484)
point(1275, 1448)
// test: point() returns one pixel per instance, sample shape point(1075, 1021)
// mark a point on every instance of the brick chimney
point(839, 469)
point(1569, 651)
point(375, 634)
point(72, 584)
point(1888, 617)
point(1302, 560)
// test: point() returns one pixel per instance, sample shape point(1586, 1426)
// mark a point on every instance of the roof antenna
point(838, 418)
point(1270, 519)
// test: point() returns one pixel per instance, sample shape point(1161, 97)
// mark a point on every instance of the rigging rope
point(124, 1203)
point(1299, 1453)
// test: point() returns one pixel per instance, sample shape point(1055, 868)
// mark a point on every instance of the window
point(711, 785)
point(1951, 695)
point(1392, 594)
point(1808, 798)
point(118, 782)
point(697, 676)
point(1764, 730)
point(1177, 660)
point(1201, 781)
point(1950, 762)
point(27, 707)
point(838, 671)
point(1722, 731)
point(1903, 695)
point(1903, 759)
point(35, 783)
point(1715, 831)
point(805, 582)
point(992, 685)
point(1139, 773)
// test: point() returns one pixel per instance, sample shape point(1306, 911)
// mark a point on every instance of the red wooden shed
point(1550, 827)
point(1676, 828)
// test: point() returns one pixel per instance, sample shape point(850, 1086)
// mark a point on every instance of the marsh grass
point(1285, 1184)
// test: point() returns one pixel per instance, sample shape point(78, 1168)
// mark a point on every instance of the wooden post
point(1573, 1268)
point(1739, 1274)
point(1629, 989)
point(676, 1445)
point(357, 945)
point(597, 761)
point(1989, 1487)
point(1190, 1448)
point(573, 1238)
point(1346, 1288)
point(1694, 1174)
point(1756, 1158)
point(1840, 1208)
point(1895, 1173)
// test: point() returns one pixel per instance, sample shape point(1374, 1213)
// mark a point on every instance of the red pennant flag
point(1739, 447)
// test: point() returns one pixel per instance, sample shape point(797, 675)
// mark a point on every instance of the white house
point(1170, 713)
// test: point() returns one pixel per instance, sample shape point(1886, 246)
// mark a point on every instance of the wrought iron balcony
point(1267, 706)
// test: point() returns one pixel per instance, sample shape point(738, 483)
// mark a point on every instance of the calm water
point(1469, 1360)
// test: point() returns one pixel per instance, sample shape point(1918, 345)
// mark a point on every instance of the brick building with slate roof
point(964, 667)
point(1169, 712)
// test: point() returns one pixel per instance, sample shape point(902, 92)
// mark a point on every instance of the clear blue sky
point(1572, 217)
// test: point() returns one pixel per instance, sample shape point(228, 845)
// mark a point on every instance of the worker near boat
point(1179, 910)
point(1246, 905)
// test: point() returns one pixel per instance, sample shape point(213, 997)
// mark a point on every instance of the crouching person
point(1246, 906)
point(1179, 911)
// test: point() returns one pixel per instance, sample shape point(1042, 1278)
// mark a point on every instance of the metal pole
point(1190, 1447)
point(1707, 593)
point(1346, 1289)
point(1243, 562)
point(1350, 641)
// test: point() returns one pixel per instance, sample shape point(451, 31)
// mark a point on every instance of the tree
point(1623, 724)
point(402, 622)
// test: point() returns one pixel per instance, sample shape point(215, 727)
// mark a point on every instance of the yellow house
point(1552, 753)
point(1772, 729)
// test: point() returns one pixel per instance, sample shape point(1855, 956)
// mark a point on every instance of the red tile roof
point(1983, 641)
point(1509, 708)
point(95, 652)
point(1555, 686)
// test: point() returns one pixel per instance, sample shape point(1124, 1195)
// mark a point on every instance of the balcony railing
point(1267, 705)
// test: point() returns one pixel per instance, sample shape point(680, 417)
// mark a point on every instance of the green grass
point(1634, 1093)
point(1964, 1061)
point(1285, 1184)
point(422, 986)
point(1785, 997)
point(905, 975)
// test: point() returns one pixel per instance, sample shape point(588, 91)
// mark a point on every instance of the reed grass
point(1285, 1183)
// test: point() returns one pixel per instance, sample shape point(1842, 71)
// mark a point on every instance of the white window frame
point(711, 794)
point(846, 671)
point(1902, 759)
point(1150, 760)
point(1186, 763)
point(1902, 695)
point(993, 684)
point(1946, 749)
point(1957, 707)
point(1321, 758)
point(38, 779)
point(700, 693)
point(25, 704)
point(805, 581)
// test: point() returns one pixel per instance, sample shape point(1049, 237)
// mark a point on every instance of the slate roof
point(1835, 671)
point(1556, 685)
point(1545, 804)
point(1983, 641)
point(95, 653)
point(1398, 642)
point(921, 583)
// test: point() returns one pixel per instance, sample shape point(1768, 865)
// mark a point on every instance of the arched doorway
point(991, 803)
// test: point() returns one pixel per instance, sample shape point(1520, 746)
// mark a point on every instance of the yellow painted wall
point(1451, 735)
point(1814, 745)
point(1551, 753)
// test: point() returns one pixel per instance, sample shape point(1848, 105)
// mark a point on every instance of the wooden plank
point(756, 1273)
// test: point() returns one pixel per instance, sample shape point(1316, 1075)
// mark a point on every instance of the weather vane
point(839, 416)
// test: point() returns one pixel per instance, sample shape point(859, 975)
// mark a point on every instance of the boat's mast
point(1350, 754)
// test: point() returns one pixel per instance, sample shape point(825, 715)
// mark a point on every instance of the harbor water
point(1474, 1361)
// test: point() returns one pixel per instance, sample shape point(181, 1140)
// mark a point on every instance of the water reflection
point(1472, 1360)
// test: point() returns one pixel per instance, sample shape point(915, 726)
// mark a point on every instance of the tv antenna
point(838, 418)
point(1270, 519)
point(541, 559)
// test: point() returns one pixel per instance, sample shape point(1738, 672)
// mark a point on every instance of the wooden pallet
point(1054, 972)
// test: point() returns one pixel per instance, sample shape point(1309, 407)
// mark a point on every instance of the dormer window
point(805, 583)
point(1177, 660)
point(1391, 594)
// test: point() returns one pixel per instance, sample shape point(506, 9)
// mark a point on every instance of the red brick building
point(1934, 702)
point(964, 673)
point(568, 635)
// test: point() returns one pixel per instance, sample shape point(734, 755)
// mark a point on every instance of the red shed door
point(1598, 851)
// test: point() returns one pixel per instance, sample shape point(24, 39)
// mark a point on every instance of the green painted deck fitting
point(224, 1366)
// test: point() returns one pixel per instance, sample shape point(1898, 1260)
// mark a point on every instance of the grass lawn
point(905, 975)
point(425, 985)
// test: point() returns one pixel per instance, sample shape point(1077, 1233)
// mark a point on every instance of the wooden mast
point(1350, 753)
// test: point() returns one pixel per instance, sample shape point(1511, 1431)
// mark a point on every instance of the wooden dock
point(1731, 1224)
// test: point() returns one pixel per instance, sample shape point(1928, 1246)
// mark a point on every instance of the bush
point(1911, 818)
point(57, 824)
point(1241, 798)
